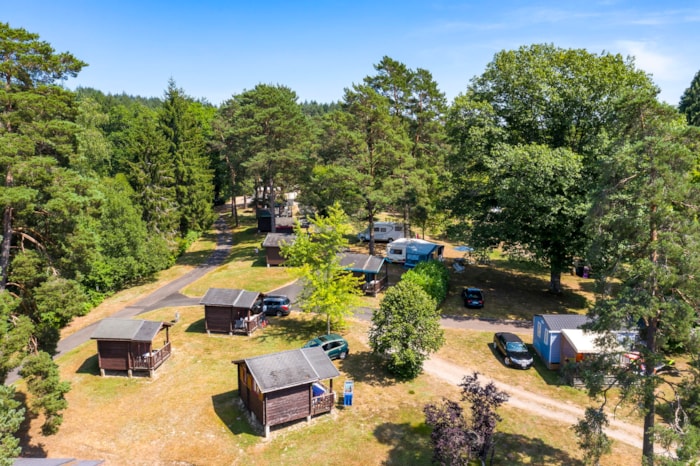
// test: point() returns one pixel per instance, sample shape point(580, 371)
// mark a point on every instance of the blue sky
point(214, 49)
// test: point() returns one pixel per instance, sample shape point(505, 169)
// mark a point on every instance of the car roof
point(509, 337)
point(472, 290)
point(329, 337)
point(275, 296)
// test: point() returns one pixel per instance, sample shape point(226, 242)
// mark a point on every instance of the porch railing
point(322, 403)
point(152, 360)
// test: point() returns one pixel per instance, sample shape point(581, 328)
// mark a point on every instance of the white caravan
point(396, 251)
point(384, 231)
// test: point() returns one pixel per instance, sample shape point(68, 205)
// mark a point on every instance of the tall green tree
point(374, 144)
point(329, 288)
point(43, 202)
point(419, 106)
point(273, 136)
point(540, 95)
point(11, 417)
point(193, 177)
point(690, 102)
point(35, 132)
point(647, 243)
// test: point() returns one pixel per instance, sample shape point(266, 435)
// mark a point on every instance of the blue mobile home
point(422, 251)
point(547, 336)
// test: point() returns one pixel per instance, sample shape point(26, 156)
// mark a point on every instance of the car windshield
point(474, 296)
point(516, 347)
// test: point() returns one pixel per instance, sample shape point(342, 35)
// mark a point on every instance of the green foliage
point(646, 241)
point(329, 289)
point(690, 102)
point(529, 134)
point(432, 276)
point(181, 122)
point(406, 329)
point(48, 392)
point(11, 417)
point(591, 435)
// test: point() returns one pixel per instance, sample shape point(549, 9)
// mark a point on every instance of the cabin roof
point(273, 240)
point(290, 368)
point(127, 329)
point(558, 322)
point(230, 297)
point(361, 262)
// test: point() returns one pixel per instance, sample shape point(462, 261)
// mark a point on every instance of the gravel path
point(169, 295)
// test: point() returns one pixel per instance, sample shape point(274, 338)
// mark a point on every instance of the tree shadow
point(409, 444)
point(29, 449)
point(366, 367)
point(232, 413)
point(513, 449)
point(508, 292)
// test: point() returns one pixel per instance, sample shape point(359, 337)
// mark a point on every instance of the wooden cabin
point(287, 386)
point(371, 268)
point(231, 311)
point(273, 247)
point(128, 345)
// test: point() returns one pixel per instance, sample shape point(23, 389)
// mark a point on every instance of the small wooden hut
point(231, 311)
point(128, 345)
point(287, 386)
point(371, 268)
point(273, 247)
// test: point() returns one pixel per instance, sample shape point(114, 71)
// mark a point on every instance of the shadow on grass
point(290, 330)
point(412, 445)
point(196, 327)
point(29, 449)
point(519, 449)
point(365, 367)
point(227, 407)
point(90, 366)
point(508, 293)
point(409, 444)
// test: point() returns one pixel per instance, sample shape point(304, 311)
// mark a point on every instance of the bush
point(432, 276)
point(406, 329)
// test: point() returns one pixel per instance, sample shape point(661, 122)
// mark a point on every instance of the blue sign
point(347, 393)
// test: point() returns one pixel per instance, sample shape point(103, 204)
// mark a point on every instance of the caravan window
point(398, 228)
point(396, 251)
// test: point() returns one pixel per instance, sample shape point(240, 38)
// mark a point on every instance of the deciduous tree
point(406, 329)
point(329, 288)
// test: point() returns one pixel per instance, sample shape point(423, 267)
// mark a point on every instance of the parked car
point(275, 305)
point(335, 346)
point(473, 297)
point(513, 350)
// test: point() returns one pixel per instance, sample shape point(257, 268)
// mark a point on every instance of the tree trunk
point(5, 246)
point(555, 280)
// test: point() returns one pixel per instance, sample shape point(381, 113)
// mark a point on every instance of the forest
point(553, 154)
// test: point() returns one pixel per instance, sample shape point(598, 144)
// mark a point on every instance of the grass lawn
point(188, 413)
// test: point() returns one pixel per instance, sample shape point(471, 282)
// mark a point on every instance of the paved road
point(166, 296)
point(169, 296)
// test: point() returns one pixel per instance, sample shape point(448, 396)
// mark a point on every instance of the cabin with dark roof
point(273, 247)
point(372, 269)
point(128, 345)
point(286, 386)
point(231, 311)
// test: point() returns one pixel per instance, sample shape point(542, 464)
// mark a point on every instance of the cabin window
point(546, 337)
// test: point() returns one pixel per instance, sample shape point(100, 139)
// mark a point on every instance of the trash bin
point(347, 393)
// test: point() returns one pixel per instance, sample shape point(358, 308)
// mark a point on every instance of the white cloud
point(661, 66)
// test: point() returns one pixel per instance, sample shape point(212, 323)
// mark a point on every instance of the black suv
point(275, 306)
